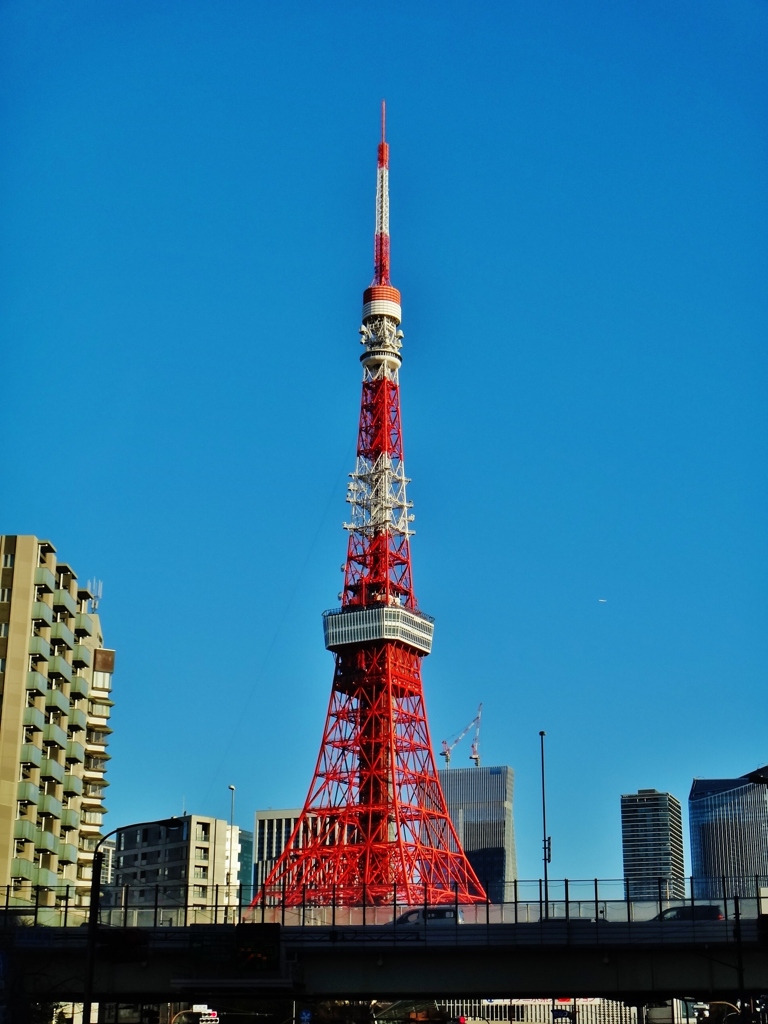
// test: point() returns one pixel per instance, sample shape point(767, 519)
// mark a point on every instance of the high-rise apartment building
point(728, 819)
point(480, 805)
point(55, 686)
point(179, 864)
point(652, 844)
point(272, 830)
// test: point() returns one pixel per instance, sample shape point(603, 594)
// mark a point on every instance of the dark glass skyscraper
point(729, 833)
point(652, 843)
point(480, 805)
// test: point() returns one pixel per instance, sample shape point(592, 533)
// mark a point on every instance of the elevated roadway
point(637, 962)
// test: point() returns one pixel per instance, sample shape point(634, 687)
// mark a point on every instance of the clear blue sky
point(579, 217)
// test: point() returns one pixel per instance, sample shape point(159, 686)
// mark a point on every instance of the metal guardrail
point(526, 902)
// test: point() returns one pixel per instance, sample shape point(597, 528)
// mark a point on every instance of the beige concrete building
point(55, 704)
point(187, 869)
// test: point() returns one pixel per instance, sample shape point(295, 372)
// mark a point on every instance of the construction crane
point(474, 752)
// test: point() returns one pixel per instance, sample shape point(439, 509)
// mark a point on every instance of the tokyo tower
point(375, 827)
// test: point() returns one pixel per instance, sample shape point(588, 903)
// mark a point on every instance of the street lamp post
point(231, 845)
point(93, 916)
point(547, 842)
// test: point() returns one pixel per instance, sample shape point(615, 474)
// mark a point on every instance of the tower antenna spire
point(381, 238)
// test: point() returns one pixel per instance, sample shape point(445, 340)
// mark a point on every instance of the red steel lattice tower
point(375, 826)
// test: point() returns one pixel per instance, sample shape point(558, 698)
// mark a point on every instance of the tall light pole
point(547, 842)
point(231, 845)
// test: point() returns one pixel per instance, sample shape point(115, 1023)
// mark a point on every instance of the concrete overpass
point(637, 962)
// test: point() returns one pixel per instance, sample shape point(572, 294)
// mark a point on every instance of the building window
point(200, 892)
point(201, 853)
point(5, 595)
point(3, 629)
point(2, 664)
point(203, 832)
point(7, 561)
point(201, 871)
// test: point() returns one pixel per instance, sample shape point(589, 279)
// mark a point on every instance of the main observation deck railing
point(526, 902)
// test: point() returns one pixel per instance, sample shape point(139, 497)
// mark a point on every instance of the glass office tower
point(729, 834)
point(480, 805)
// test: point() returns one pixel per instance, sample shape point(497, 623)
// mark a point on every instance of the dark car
point(696, 912)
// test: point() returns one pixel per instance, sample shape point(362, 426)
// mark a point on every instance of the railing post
point(541, 903)
point(37, 900)
point(487, 905)
point(597, 902)
point(364, 888)
point(661, 909)
point(515, 895)
point(126, 890)
point(333, 905)
point(216, 903)
point(567, 909)
point(66, 904)
point(263, 899)
point(394, 903)
point(725, 898)
point(629, 905)
point(282, 900)
point(304, 906)
point(157, 899)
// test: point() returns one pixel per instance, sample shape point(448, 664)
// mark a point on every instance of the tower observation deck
point(375, 826)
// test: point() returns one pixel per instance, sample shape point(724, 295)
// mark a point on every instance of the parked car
point(694, 912)
point(440, 917)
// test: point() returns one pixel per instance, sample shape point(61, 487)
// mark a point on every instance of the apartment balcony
point(55, 736)
point(37, 684)
point(50, 769)
point(34, 718)
point(24, 830)
point(63, 634)
point(46, 879)
point(42, 613)
point(58, 667)
point(25, 869)
point(64, 602)
point(77, 720)
point(46, 842)
point(30, 754)
point(81, 656)
point(27, 792)
point(44, 578)
point(70, 819)
point(83, 624)
point(73, 785)
point(39, 648)
point(79, 687)
point(48, 806)
point(67, 853)
point(75, 752)
point(57, 699)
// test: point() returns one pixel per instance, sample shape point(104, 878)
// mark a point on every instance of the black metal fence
point(594, 900)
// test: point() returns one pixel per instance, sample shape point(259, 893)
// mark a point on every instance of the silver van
point(434, 917)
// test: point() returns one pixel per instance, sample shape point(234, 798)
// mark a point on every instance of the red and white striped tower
point(375, 826)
